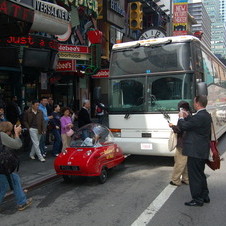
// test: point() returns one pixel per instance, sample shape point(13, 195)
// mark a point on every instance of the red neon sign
point(32, 41)
point(18, 11)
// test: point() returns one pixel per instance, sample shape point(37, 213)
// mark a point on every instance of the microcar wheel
point(67, 178)
point(103, 176)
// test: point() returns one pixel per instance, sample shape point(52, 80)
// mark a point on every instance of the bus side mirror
point(201, 89)
point(97, 93)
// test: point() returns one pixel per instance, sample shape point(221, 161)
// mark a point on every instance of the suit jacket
point(196, 141)
point(83, 117)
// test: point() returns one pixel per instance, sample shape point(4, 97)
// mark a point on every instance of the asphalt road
point(128, 192)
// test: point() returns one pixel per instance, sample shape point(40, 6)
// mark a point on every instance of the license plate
point(146, 146)
point(74, 168)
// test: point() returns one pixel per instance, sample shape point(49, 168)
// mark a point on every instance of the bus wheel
point(103, 176)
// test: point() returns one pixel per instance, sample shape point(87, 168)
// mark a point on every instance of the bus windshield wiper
point(160, 108)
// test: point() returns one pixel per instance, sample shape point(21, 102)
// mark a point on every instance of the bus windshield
point(150, 93)
point(149, 59)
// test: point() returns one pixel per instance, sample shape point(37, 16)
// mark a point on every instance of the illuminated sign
point(17, 11)
point(52, 10)
point(73, 48)
point(90, 4)
point(32, 41)
point(66, 65)
point(103, 73)
point(50, 18)
point(75, 56)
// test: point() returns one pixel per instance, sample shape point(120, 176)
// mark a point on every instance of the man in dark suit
point(83, 115)
point(196, 145)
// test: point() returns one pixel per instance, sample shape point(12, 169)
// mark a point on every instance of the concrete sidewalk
point(33, 172)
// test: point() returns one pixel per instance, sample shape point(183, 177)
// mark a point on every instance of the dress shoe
point(207, 200)
point(193, 203)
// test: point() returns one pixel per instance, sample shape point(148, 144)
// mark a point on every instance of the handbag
point(214, 162)
point(172, 142)
point(70, 132)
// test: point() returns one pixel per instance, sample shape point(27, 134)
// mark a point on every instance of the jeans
point(42, 144)
point(17, 188)
point(57, 145)
point(35, 137)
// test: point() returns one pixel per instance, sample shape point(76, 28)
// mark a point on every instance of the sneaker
point(25, 205)
point(32, 157)
point(44, 155)
point(42, 160)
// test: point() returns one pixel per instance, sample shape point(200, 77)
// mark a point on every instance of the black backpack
point(9, 162)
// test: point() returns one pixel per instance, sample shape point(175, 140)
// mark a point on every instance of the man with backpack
point(9, 163)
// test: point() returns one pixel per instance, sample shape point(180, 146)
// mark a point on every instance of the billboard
point(180, 17)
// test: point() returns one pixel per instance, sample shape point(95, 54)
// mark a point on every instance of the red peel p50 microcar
point(91, 153)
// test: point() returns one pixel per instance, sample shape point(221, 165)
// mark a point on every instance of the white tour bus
point(147, 80)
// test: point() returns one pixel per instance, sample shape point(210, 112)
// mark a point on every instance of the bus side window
point(198, 63)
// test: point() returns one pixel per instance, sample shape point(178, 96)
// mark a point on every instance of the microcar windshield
point(92, 135)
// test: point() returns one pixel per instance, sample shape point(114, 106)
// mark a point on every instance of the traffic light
point(136, 16)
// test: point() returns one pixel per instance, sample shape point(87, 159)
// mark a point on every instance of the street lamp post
point(171, 17)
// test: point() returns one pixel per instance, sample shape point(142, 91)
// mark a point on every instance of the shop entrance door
point(63, 94)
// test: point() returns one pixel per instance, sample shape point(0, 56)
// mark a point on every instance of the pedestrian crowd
point(45, 122)
point(32, 129)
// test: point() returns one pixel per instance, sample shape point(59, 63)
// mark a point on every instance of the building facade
point(218, 29)
point(198, 11)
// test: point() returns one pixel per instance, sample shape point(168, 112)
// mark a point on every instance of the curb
point(36, 183)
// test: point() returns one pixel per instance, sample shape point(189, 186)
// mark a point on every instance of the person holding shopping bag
point(180, 172)
point(66, 126)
